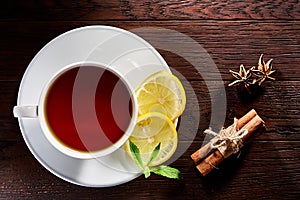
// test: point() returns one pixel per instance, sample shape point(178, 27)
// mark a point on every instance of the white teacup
point(86, 110)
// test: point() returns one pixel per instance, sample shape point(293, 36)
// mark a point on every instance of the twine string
point(228, 141)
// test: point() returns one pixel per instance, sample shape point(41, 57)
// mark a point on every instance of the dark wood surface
point(232, 33)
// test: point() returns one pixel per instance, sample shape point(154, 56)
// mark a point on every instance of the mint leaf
point(154, 154)
point(167, 171)
point(162, 170)
point(135, 152)
point(147, 172)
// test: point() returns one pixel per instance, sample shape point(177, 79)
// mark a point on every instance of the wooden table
point(232, 33)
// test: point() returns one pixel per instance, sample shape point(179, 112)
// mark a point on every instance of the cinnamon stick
point(210, 162)
point(251, 121)
point(206, 149)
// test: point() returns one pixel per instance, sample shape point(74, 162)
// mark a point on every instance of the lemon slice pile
point(161, 100)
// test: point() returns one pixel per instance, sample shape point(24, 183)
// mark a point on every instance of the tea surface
point(88, 108)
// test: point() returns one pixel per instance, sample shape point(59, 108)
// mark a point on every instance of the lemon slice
point(155, 128)
point(161, 92)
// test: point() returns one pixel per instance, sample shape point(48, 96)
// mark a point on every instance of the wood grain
point(149, 10)
point(193, 9)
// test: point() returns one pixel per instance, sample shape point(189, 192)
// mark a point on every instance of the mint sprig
point(162, 170)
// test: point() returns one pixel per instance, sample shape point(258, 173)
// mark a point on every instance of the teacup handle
point(30, 111)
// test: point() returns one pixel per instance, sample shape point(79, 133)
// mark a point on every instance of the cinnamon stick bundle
point(208, 157)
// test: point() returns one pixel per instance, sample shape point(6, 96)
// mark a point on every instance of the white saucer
point(122, 50)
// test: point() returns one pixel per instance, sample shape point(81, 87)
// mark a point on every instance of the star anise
point(243, 78)
point(263, 71)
